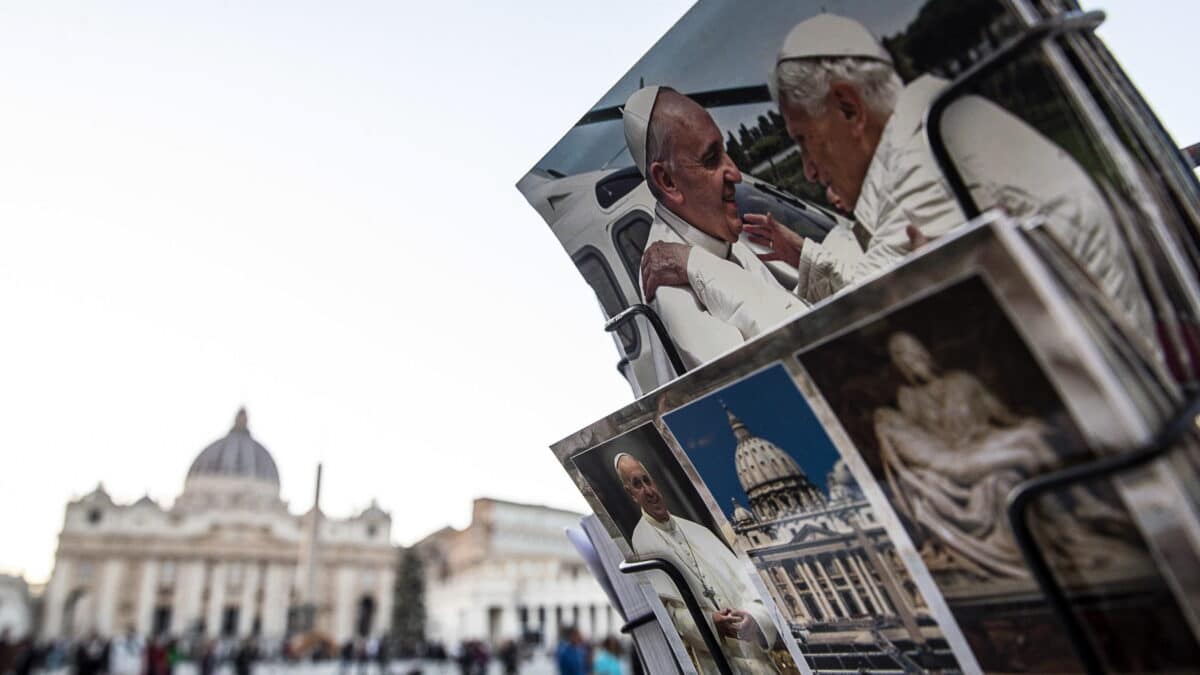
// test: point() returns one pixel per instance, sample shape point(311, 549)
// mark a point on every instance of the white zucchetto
point(636, 114)
point(617, 461)
point(829, 36)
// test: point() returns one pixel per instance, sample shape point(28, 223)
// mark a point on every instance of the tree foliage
point(408, 606)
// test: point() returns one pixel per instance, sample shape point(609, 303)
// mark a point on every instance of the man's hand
point(724, 622)
point(764, 230)
point(664, 264)
point(737, 624)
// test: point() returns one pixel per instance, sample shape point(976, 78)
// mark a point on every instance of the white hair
point(805, 82)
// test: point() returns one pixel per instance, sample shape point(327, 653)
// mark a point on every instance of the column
point(837, 597)
point(185, 603)
point(106, 596)
point(774, 589)
point(891, 585)
point(345, 604)
point(555, 620)
point(147, 594)
point(216, 600)
point(868, 582)
point(508, 623)
point(837, 564)
point(251, 578)
point(800, 611)
point(383, 615)
point(275, 601)
point(810, 578)
point(177, 600)
point(56, 597)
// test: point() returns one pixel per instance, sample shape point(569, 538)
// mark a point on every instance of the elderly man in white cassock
point(733, 296)
point(737, 615)
point(861, 134)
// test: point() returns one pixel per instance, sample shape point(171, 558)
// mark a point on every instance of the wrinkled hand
point(724, 622)
point(664, 264)
point(785, 245)
point(735, 623)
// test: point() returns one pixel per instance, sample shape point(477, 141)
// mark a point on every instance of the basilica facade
point(226, 559)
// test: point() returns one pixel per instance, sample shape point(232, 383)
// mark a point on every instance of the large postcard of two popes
point(834, 492)
point(801, 131)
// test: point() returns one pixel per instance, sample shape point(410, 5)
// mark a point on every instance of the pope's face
point(641, 489)
point(704, 176)
point(833, 149)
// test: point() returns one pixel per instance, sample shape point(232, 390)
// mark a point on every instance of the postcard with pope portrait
point(654, 510)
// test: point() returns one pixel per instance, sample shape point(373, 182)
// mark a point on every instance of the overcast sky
point(307, 208)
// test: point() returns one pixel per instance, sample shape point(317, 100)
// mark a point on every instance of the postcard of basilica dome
point(790, 504)
point(792, 507)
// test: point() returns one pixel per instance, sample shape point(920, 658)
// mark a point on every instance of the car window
point(629, 236)
point(598, 275)
point(616, 185)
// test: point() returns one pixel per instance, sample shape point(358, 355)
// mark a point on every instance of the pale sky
point(308, 208)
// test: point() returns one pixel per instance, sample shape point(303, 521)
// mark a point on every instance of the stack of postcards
point(969, 444)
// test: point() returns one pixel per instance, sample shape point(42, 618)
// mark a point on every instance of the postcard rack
point(660, 331)
point(1033, 36)
point(689, 599)
point(1026, 493)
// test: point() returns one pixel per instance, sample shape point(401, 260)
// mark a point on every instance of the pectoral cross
point(712, 597)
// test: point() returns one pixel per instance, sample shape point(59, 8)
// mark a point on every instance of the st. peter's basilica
point(227, 559)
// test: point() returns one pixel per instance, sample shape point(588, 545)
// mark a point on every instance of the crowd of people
point(130, 654)
point(574, 656)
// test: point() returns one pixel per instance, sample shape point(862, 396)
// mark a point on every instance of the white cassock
point(1004, 162)
point(731, 295)
point(709, 566)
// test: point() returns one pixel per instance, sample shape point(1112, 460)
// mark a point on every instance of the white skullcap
point(829, 36)
point(636, 114)
point(617, 461)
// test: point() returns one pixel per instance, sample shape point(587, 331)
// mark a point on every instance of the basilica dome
point(237, 455)
point(773, 481)
point(758, 460)
point(742, 515)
